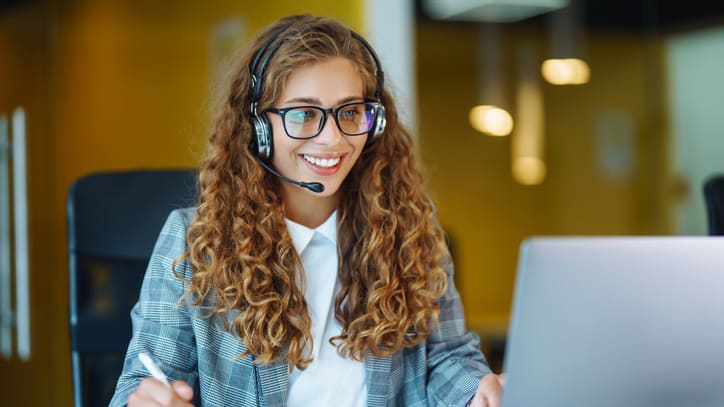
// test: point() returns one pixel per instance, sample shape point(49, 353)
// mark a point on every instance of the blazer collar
point(377, 378)
point(274, 382)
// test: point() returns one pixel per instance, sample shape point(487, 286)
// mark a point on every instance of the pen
point(156, 372)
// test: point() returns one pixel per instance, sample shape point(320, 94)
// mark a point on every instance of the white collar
point(302, 235)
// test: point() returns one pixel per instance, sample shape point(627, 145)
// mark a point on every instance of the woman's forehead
point(327, 81)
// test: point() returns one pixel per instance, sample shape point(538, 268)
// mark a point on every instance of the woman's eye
point(301, 115)
point(349, 114)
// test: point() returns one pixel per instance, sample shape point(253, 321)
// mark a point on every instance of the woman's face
point(328, 157)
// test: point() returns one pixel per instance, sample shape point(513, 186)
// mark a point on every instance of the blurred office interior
point(623, 148)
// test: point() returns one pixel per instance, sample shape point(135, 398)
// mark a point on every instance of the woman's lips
point(323, 164)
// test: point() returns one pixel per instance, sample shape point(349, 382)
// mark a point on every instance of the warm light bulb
point(491, 120)
point(566, 71)
point(529, 170)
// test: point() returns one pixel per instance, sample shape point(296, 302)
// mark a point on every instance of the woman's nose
point(330, 134)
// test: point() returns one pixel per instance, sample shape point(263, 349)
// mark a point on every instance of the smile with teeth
point(321, 162)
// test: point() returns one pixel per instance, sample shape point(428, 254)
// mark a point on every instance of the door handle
point(14, 152)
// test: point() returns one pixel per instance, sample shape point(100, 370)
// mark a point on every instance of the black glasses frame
point(335, 113)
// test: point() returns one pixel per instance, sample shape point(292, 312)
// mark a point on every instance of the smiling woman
point(313, 271)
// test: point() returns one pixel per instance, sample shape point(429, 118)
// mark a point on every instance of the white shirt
point(330, 380)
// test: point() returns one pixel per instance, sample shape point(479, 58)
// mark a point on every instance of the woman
point(313, 271)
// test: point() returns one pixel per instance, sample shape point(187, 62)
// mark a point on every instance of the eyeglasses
point(305, 122)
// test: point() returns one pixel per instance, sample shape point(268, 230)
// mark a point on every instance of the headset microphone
point(312, 186)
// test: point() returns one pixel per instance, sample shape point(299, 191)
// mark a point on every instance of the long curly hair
point(391, 251)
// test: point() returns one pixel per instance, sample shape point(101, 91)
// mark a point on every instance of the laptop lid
point(617, 321)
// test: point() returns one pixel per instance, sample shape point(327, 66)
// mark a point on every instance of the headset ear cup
point(378, 127)
point(263, 144)
point(380, 122)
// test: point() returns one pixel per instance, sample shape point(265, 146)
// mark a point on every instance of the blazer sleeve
point(455, 361)
point(161, 324)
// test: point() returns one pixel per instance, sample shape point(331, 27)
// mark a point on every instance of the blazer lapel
point(377, 378)
point(274, 381)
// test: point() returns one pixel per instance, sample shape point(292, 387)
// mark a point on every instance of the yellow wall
point(485, 211)
point(132, 78)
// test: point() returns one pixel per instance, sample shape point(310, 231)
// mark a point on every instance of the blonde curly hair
point(391, 251)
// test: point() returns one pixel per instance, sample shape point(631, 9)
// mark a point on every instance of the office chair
point(114, 219)
point(714, 197)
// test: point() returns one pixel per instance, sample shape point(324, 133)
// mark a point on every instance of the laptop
point(617, 321)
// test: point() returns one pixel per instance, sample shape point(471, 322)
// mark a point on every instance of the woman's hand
point(489, 391)
point(152, 392)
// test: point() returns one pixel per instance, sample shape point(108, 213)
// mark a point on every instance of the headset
point(262, 144)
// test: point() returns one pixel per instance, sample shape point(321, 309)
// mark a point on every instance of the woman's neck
point(308, 210)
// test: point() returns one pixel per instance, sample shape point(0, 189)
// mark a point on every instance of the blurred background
point(532, 117)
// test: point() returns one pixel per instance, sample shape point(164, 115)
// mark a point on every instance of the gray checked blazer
point(443, 370)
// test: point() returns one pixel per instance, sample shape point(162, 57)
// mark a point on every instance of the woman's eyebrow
point(317, 102)
point(311, 101)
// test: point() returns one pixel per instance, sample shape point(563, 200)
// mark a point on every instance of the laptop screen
point(617, 321)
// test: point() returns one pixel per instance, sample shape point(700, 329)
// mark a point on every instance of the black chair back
point(714, 197)
point(114, 219)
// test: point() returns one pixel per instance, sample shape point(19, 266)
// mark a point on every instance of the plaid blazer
point(443, 370)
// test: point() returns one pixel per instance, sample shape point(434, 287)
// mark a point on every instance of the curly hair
point(391, 251)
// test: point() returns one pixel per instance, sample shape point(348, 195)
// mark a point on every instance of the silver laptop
point(617, 321)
